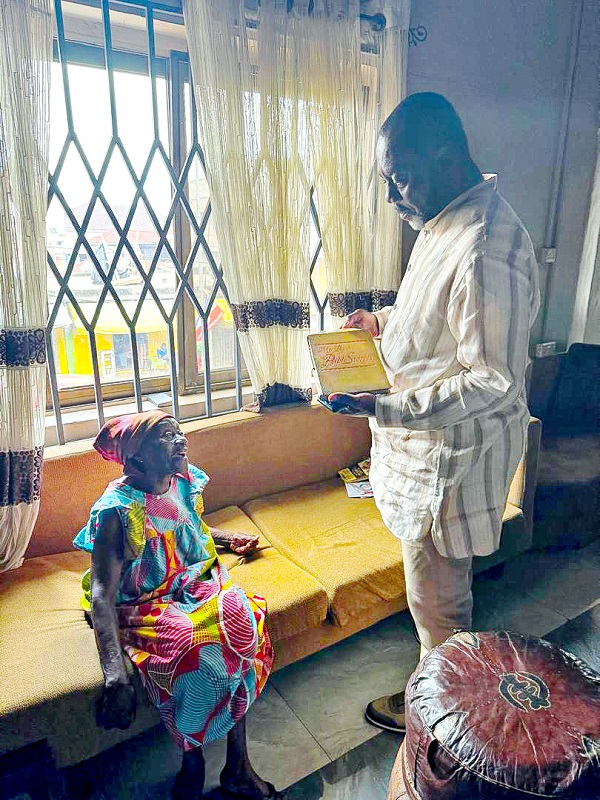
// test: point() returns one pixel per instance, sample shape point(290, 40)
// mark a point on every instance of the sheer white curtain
point(249, 84)
point(25, 57)
point(286, 102)
point(361, 234)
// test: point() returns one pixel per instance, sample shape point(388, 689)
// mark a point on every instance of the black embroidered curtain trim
point(346, 302)
point(380, 298)
point(278, 393)
point(20, 476)
point(22, 347)
point(266, 313)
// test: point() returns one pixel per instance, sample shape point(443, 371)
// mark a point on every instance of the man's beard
point(415, 220)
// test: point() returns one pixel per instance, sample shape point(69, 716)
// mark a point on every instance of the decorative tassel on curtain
point(250, 88)
point(25, 58)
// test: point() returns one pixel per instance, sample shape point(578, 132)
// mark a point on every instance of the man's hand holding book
point(363, 319)
point(348, 369)
point(361, 404)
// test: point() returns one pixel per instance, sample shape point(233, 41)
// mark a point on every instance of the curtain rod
point(171, 10)
point(376, 21)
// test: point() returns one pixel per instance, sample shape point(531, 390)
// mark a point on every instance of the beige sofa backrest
point(246, 455)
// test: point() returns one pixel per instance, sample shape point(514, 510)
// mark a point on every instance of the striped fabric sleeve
point(382, 317)
point(489, 316)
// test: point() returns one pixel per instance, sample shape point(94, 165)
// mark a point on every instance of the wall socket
point(545, 349)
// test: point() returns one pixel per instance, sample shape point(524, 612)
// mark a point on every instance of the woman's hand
point(242, 544)
point(361, 318)
point(117, 705)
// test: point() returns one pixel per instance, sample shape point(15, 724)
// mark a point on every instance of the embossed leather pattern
point(500, 716)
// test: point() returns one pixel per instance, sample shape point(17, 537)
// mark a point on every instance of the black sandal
point(248, 793)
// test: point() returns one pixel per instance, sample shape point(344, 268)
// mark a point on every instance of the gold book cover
point(347, 361)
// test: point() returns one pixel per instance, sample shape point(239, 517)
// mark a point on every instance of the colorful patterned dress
point(200, 643)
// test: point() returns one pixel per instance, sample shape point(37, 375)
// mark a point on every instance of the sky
point(92, 123)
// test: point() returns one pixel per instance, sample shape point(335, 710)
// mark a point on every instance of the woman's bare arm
point(117, 707)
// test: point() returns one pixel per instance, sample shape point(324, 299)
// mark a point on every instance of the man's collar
point(475, 193)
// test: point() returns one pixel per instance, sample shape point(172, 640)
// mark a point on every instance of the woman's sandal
point(250, 793)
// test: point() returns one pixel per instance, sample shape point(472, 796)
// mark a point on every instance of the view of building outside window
point(88, 300)
point(117, 251)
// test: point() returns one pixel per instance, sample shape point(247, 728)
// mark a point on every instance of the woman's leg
point(238, 771)
point(189, 781)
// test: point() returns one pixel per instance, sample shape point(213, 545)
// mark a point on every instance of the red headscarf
point(121, 438)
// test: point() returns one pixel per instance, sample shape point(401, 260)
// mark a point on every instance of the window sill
point(80, 424)
point(225, 418)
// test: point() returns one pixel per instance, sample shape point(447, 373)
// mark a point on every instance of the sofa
point(565, 394)
point(326, 564)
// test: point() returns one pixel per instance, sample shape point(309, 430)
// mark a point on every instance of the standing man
point(449, 436)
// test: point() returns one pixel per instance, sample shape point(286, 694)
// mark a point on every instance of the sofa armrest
point(522, 488)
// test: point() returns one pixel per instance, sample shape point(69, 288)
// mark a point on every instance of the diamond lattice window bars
point(137, 300)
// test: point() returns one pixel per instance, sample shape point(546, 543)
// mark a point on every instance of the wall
point(504, 65)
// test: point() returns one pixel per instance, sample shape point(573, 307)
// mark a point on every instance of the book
point(365, 465)
point(347, 361)
point(352, 474)
point(356, 472)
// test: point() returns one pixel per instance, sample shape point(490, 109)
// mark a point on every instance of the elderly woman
point(157, 591)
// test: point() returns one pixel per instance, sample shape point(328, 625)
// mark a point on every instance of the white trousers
point(438, 590)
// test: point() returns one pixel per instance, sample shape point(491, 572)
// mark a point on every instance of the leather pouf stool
point(498, 715)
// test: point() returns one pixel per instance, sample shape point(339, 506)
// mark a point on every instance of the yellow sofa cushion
point(296, 601)
point(512, 513)
point(342, 542)
point(51, 676)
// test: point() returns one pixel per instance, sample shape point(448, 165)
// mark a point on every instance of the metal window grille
point(136, 291)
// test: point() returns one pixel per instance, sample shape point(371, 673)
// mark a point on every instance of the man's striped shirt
point(448, 439)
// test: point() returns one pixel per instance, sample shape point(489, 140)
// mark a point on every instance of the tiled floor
point(307, 731)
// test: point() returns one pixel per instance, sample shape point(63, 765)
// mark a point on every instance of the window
point(138, 307)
